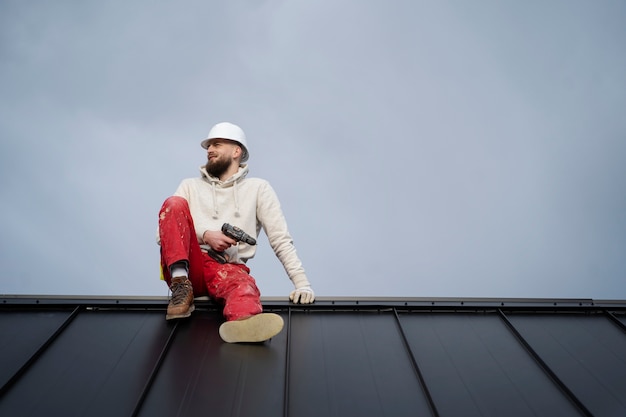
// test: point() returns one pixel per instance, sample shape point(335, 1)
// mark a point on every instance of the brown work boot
point(257, 328)
point(181, 303)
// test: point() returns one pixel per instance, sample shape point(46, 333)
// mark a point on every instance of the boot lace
point(180, 291)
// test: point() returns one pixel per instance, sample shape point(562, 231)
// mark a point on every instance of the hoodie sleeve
point(272, 220)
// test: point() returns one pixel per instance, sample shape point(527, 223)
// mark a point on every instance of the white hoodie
point(248, 203)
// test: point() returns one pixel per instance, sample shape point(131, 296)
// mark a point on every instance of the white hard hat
point(228, 131)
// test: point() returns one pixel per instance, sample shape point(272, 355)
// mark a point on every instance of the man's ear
point(238, 152)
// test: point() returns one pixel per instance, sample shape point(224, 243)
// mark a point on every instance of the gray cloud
point(419, 149)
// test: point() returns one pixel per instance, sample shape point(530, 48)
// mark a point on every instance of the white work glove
point(303, 295)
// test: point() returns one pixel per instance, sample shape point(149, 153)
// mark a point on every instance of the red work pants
point(229, 284)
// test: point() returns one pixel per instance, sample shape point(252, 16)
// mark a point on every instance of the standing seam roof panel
point(22, 334)
point(97, 366)
point(588, 352)
point(478, 358)
point(350, 363)
point(202, 375)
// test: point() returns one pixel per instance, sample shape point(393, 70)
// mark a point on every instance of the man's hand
point(217, 240)
point(304, 295)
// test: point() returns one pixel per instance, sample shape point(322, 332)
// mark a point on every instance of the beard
point(217, 167)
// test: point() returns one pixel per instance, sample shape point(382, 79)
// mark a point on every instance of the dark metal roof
point(86, 356)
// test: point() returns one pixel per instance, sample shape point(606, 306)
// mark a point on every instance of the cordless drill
point(232, 232)
point(236, 233)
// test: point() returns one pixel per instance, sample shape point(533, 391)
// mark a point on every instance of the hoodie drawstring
point(215, 182)
point(215, 212)
point(236, 195)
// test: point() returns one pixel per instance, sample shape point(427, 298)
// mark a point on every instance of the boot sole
point(182, 315)
point(257, 328)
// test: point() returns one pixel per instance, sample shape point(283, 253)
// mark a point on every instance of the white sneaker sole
point(257, 328)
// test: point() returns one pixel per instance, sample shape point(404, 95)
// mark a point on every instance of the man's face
point(220, 155)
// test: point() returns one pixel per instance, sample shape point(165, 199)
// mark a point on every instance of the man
point(197, 258)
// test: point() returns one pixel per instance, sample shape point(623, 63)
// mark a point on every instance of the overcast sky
point(419, 148)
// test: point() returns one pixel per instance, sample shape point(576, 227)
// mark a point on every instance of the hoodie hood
point(231, 182)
